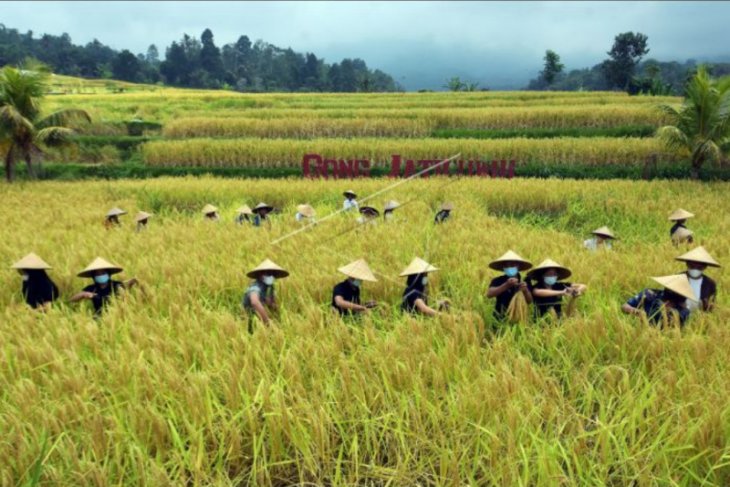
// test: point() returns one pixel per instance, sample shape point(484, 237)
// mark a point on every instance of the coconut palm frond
point(63, 117)
point(673, 137)
point(12, 121)
point(54, 136)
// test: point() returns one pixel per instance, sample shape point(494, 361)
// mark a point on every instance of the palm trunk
point(697, 162)
point(9, 163)
point(29, 163)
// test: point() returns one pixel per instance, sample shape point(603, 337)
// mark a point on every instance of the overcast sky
point(498, 44)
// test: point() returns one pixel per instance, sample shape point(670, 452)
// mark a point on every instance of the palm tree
point(701, 127)
point(24, 132)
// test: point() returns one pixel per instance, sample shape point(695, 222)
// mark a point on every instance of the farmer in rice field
point(547, 287)
point(142, 218)
point(415, 296)
point(304, 212)
point(602, 238)
point(368, 214)
point(103, 287)
point(346, 294)
point(505, 287)
point(444, 213)
point(390, 207)
point(243, 215)
point(39, 291)
point(658, 305)
point(697, 260)
point(261, 214)
point(679, 217)
point(350, 201)
point(112, 217)
point(682, 236)
point(259, 297)
point(210, 213)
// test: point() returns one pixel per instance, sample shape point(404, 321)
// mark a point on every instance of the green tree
point(552, 68)
point(455, 84)
point(627, 50)
point(126, 66)
point(701, 128)
point(24, 132)
point(210, 58)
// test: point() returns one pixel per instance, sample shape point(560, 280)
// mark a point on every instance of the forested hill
point(197, 63)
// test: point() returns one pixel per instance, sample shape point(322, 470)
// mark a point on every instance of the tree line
point(197, 63)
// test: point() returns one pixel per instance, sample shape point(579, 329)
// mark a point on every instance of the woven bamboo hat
point(447, 206)
point(244, 210)
point(306, 210)
point(270, 267)
point(358, 269)
point(417, 266)
point(510, 256)
point(349, 192)
point(141, 216)
point(208, 209)
point(681, 234)
point(116, 212)
point(31, 262)
point(699, 255)
point(391, 205)
point(680, 214)
point(677, 283)
point(369, 209)
point(99, 264)
point(605, 232)
point(262, 206)
point(563, 272)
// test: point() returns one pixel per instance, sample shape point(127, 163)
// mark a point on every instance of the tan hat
point(680, 214)
point(99, 264)
point(31, 262)
point(142, 215)
point(679, 284)
point(510, 256)
point(116, 212)
point(244, 210)
point(349, 192)
point(269, 267)
point(207, 209)
point(681, 234)
point(604, 231)
point(369, 209)
point(358, 269)
point(447, 206)
point(391, 205)
point(262, 206)
point(563, 272)
point(699, 255)
point(417, 266)
point(306, 210)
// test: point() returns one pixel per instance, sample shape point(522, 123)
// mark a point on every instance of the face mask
point(102, 279)
point(694, 273)
point(424, 281)
point(388, 216)
point(356, 282)
point(268, 280)
point(25, 277)
point(511, 271)
point(550, 280)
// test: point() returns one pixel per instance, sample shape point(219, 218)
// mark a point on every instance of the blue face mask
point(550, 280)
point(511, 271)
point(102, 279)
point(356, 282)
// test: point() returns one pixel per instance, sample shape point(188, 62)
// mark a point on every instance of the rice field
point(170, 388)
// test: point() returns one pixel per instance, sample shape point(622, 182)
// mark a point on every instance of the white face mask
point(694, 273)
point(424, 280)
point(268, 280)
point(388, 215)
point(25, 277)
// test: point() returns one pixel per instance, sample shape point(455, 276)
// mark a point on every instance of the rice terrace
point(272, 279)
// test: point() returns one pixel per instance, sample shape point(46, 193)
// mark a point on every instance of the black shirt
point(441, 216)
point(543, 304)
point(410, 295)
point(39, 289)
point(503, 300)
point(348, 292)
point(103, 295)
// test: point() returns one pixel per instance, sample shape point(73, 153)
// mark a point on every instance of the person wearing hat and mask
point(261, 214)
point(415, 296)
point(602, 238)
point(112, 217)
point(39, 291)
point(259, 297)
point(682, 236)
point(210, 213)
point(545, 283)
point(505, 287)
point(390, 207)
point(697, 260)
point(103, 288)
point(350, 201)
point(243, 214)
point(444, 213)
point(679, 218)
point(304, 212)
point(368, 214)
point(346, 294)
point(654, 302)
point(142, 219)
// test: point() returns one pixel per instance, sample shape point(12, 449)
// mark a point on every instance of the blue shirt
point(261, 289)
point(651, 301)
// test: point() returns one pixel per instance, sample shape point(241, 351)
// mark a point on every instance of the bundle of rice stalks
point(518, 310)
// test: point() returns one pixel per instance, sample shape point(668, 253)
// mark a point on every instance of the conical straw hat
point(369, 209)
point(447, 206)
point(306, 210)
point(244, 210)
point(262, 206)
point(209, 209)
point(679, 284)
point(31, 262)
point(604, 231)
point(358, 269)
point(680, 214)
point(270, 267)
point(563, 272)
point(99, 264)
point(391, 205)
point(681, 234)
point(510, 256)
point(349, 192)
point(418, 266)
point(116, 212)
point(699, 255)
point(142, 215)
